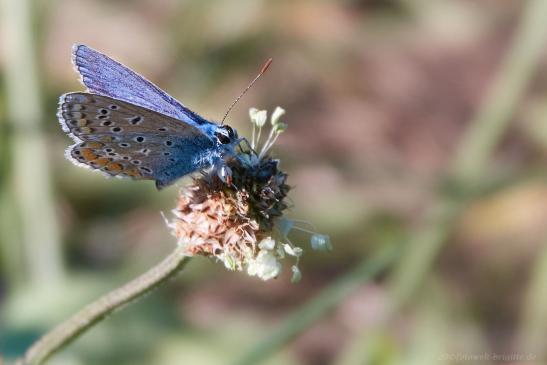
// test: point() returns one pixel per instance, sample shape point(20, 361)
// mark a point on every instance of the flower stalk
point(72, 328)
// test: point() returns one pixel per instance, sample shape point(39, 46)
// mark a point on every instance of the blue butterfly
point(127, 127)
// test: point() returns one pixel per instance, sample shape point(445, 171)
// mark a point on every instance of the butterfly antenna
point(262, 70)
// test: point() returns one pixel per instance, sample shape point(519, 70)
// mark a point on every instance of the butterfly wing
point(126, 140)
point(102, 75)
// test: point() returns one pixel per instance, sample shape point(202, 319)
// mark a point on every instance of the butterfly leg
point(222, 170)
point(241, 141)
point(224, 173)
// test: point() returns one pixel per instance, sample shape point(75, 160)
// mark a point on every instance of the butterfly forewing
point(126, 140)
point(105, 76)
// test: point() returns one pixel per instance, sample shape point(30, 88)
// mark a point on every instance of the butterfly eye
point(225, 134)
point(222, 138)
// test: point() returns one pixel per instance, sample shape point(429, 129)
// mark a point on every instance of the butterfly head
point(226, 134)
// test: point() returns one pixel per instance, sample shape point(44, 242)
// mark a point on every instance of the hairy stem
point(93, 313)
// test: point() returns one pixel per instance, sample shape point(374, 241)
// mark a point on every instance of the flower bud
point(258, 117)
point(277, 113)
point(280, 127)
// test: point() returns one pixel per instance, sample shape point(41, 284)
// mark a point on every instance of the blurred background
point(417, 140)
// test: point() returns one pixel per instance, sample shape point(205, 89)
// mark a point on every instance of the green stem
point(31, 185)
point(316, 308)
point(475, 149)
point(93, 313)
point(491, 120)
point(533, 327)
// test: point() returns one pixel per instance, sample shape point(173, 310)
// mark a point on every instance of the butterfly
point(125, 126)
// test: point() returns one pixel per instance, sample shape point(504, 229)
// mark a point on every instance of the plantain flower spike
point(240, 221)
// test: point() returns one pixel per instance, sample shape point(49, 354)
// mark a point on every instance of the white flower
point(296, 274)
point(293, 251)
point(265, 266)
point(277, 113)
point(258, 117)
point(267, 244)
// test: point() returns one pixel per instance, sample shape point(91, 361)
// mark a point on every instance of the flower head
point(241, 223)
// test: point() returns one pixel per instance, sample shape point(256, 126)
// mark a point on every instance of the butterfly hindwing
point(102, 75)
point(126, 140)
point(108, 115)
